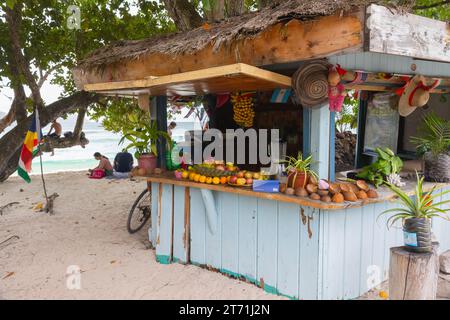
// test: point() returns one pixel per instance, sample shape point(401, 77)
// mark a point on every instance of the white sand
point(89, 230)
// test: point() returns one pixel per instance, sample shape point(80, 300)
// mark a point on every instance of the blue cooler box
point(269, 186)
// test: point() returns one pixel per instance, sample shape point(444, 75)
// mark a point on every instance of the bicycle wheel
point(140, 212)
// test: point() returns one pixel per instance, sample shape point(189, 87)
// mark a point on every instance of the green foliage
point(420, 206)
point(386, 164)
point(143, 137)
point(434, 135)
point(347, 119)
point(440, 12)
point(300, 164)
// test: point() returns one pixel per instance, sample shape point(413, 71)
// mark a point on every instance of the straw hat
point(415, 95)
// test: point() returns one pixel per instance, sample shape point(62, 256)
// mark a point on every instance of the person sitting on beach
point(104, 164)
point(123, 162)
point(56, 126)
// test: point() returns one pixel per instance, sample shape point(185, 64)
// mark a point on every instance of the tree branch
point(432, 5)
point(11, 143)
point(14, 21)
point(183, 14)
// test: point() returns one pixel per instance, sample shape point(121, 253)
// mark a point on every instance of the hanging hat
point(415, 95)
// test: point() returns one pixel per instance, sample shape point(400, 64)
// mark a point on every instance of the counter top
point(384, 193)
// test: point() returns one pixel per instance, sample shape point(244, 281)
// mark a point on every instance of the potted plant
point(416, 214)
point(434, 145)
point(143, 140)
point(299, 172)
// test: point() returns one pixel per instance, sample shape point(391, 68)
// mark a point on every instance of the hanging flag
point(30, 148)
point(280, 95)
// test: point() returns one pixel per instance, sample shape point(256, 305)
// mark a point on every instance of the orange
point(216, 180)
point(209, 180)
point(202, 179)
point(197, 177)
point(223, 180)
point(185, 174)
point(192, 176)
point(383, 294)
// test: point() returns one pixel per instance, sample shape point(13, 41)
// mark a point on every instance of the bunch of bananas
point(244, 114)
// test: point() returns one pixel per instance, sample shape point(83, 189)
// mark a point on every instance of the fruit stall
point(304, 230)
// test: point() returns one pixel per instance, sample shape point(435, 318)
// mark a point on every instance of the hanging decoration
point(310, 83)
point(336, 90)
point(243, 108)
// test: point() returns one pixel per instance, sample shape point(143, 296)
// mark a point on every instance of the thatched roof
point(227, 31)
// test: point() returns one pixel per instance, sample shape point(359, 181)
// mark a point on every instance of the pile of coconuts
point(332, 192)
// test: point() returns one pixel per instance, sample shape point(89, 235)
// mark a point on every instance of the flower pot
point(437, 168)
point(417, 235)
point(148, 161)
point(297, 179)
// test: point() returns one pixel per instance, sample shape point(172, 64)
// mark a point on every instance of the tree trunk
point(265, 3)
point(183, 14)
point(216, 11)
point(235, 7)
point(11, 143)
point(413, 276)
point(79, 124)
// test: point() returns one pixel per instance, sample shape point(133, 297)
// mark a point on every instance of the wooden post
point(320, 140)
point(161, 118)
point(413, 276)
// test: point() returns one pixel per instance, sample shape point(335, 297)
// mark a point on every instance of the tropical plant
point(421, 205)
point(387, 163)
point(300, 164)
point(434, 135)
point(347, 119)
point(144, 138)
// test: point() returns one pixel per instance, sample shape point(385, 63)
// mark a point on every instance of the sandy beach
point(88, 230)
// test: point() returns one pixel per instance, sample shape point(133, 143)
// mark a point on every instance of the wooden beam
point(407, 35)
point(211, 80)
point(284, 42)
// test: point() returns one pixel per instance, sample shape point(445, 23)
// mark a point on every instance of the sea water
point(100, 140)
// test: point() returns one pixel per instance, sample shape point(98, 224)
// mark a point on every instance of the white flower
point(395, 180)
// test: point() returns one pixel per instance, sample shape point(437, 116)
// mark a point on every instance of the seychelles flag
point(30, 148)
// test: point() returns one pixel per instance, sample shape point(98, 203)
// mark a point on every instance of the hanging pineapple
point(244, 113)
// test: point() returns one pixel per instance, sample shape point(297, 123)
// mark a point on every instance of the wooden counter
point(384, 193)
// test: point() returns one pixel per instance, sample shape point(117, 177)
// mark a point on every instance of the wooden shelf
point(230, 78)
point(384, 193)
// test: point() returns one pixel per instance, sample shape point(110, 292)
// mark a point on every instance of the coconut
point(372, 194)
point(322, 192)
point(362, 185)
point(338, 198)
point(353, 187)
point(314, 196)
point(350, 196)
point(158, 171)
point(334, 188)
point(311, 188)
point(345, 187)
point(326, 199)
point(290, 191)
point(301, 192)
point(283, 187)
point(313, 180)
point(361, 194)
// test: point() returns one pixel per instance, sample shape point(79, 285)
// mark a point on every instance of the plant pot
point(417, 235)
point(297, 179)
point(148, 161)
point(437, 168)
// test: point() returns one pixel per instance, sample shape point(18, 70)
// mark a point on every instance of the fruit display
point(243, 109)
point(322, 190)
point(244, 178)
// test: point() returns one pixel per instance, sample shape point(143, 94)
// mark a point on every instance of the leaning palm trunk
point(437, 168)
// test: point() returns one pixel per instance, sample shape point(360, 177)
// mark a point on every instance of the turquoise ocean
point(100, 140)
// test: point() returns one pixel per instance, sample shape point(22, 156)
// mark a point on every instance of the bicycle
point(140, 212)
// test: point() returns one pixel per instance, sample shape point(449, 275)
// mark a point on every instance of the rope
point(310, 83)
